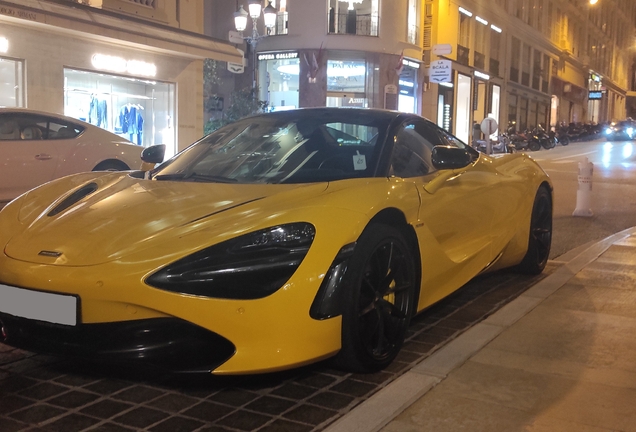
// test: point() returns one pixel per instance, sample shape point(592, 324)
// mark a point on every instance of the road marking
point(576, 155)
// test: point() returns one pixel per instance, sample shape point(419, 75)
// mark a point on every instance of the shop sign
point(4, 44)
point(18, 13)
point(278, 55)
point(235, 37)
point(441, 71)
point(442, 49)
point(595, 94)
point(121, 65)
point(236, 68)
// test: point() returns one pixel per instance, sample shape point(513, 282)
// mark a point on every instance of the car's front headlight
point(251, 266)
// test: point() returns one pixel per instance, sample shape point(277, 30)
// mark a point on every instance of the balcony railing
point(353, 23)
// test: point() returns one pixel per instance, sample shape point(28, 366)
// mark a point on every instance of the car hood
point(125, 214)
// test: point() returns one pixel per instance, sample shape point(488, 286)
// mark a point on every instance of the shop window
point(348, 76)
point(280, 83)
point(139, 110)
point(354, 17)
point(12, 78)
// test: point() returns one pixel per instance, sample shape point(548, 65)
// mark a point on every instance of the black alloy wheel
point(540, 234)
point(379, 300)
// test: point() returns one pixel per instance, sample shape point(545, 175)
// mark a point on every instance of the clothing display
point(131, 122)
point(98, 112)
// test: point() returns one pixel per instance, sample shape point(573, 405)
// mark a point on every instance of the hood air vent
point(73, 198)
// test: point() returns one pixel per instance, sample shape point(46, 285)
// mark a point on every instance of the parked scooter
point(521, 141)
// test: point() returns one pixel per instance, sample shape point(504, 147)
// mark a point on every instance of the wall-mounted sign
point(118, 64)
point(595, 94)
point(442, 49)
point(236, 68)
point(278, 55)
point(4, 44)
point(235, 37)
point(441, 71)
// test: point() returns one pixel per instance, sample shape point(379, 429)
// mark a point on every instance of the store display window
point(279, 80)
point(11, 83)
point(139, 110)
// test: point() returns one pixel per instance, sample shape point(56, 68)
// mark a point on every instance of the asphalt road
point(613, 196)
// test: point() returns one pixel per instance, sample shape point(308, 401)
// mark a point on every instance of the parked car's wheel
point(379, 300)
point(540, 234)
point(111, 165)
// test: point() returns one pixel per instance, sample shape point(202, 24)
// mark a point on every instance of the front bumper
point(167, 343)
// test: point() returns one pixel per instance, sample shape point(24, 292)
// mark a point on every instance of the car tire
point(540, 234)
point(379, 301)
point(111, 165)
point(534, 145)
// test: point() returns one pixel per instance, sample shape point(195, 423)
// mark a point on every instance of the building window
point(515, 54)
point(355, 17)
point(463, 50)
point(537, 71)
point(11, 75)
point(525, 65)
point(495, 48)
point(481, 34)
point(282, 17)
point(413, 24)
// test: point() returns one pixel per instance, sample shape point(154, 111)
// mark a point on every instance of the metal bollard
point(584, 192)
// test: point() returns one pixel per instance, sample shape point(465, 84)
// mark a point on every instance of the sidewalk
point(561, 357)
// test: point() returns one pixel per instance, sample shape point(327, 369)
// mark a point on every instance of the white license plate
point(38, 305)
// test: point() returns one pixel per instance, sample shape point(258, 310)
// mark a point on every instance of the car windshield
point(301, 148)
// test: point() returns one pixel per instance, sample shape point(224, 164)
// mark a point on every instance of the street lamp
point(240, 22)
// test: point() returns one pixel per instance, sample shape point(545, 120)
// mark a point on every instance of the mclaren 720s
point(276, 241)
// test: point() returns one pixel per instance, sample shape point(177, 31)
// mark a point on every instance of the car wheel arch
point(396, 218)
point(111, 165)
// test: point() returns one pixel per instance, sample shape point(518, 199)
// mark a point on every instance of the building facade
point(529, 62)
point(360, 53)
point(68, 56)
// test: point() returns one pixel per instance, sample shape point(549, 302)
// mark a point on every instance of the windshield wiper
point(196, 177)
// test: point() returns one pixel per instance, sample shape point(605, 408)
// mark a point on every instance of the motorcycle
point(521, 141)
point(542, 138)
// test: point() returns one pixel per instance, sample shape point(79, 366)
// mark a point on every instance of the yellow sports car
point(276, 241)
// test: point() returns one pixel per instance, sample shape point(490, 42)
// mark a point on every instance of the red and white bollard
point(584, 192)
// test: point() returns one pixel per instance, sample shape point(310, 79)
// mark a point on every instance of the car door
point(27, 157)
point(454, 216)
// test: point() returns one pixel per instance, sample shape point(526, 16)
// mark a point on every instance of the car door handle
point(43, 156)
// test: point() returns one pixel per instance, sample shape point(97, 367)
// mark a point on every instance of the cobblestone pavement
point(43, 393)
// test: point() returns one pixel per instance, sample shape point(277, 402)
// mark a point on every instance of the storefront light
point(482, 75)
point(481, 20)
point(446, 84)
point(495, 28)
point(4, 44)
point(465, 12)
point(121, 65)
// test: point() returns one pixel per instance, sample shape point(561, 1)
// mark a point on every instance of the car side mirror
point(448, 157)
point(154, 154)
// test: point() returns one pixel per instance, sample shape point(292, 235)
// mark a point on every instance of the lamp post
point(240, 22)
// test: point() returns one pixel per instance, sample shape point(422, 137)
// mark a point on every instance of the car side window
point(9, 129)
point(411, 156)
point(30, 127)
